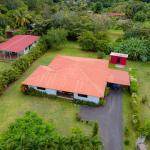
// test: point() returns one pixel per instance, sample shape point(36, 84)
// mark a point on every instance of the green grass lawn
point(4, 65)
point(114, 34)
point(14, 104)
point(143, 73)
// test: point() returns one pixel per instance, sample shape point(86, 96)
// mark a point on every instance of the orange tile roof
point(73, 74)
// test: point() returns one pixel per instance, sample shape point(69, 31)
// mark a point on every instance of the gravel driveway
point(109, 118)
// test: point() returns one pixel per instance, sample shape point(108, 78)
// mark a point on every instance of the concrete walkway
point(109, 118)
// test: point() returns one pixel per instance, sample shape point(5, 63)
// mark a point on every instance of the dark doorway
point(114, 86)
point(118, 60)
point(65, 94)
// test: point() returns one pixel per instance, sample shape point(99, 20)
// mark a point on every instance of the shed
point(118, 58)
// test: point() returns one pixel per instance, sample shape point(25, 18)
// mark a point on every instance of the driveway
point(109, 118)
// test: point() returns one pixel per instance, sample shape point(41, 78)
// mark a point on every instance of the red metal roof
point(73, 74)
point(18, 43)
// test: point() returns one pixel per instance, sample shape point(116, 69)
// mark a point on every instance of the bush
point(78, 118)
point(140, 16)
point(126, 142)
point(101, 55)
point(146, 129)
point(133, 81)
point(87, 41)
point(107, 90)
point(126, 132)
point(144, 99)
point(102, 102)
point(95, 129)
point(94, 42)
point(54, 38)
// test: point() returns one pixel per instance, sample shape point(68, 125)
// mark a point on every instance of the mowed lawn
point(143, 73)
point(61, 113)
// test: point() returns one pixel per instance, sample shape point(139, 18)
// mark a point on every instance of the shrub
point(102, 102)
point(146, 129)
point(54, 38)
point(144, 99)
point(87, 41)
point(95, 129)
point(78, 118)
point(126, 142)
point(136, 121)
point(133, 81)
point(126, 132)
point(107, 90)
point(101, 55)
point(140, 16)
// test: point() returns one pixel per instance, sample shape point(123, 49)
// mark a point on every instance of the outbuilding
point(118, 58)
point(76, 78)
point(17, 46)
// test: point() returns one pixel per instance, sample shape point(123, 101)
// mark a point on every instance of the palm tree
point(22, 17)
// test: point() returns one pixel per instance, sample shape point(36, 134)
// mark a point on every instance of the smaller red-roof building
point(76, 77)
point(17, 46)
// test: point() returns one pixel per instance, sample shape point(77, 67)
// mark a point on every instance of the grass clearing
point(14, 104)
point(114, 34)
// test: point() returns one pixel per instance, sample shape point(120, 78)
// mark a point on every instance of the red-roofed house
point(17, 46)
point(78, 78)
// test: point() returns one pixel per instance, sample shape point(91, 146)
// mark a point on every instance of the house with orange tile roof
point(77, 78)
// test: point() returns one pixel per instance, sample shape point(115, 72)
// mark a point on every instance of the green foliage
point(87, 41)
point(126, 142)
point(146, 129)
point(95, 129)
point(19, 66)
point(136, 48)
point(133, 81)
point(94, 42)
point(101, 55)
point(102, 102)
point(97, 7)
point(137, 32)
point(134, 7)
point(54, 38)
point(31, 132)
point(140, 16)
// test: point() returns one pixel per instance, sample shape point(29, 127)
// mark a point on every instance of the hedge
point(19, 66)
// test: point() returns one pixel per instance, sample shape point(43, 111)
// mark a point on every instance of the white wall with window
point(48, 91)
point(86, 98)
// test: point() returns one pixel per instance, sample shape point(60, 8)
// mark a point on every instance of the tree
point(22, 17)
point(97, 7)
point(87, 41)
point(54, 38)
point(31, 132)
point(140, 16)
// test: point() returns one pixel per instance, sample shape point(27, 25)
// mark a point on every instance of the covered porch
point(7, 55)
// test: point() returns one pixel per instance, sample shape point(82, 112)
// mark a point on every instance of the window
point(82, 95)
point(40, 88)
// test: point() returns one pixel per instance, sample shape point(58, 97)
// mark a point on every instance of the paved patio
point(109, 118)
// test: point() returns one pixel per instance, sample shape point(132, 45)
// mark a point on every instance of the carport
point(118, 79)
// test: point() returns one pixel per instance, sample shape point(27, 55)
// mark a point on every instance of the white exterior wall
point(93, 99)
point(48, 91)
point(27, 49)
point(88, 99)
